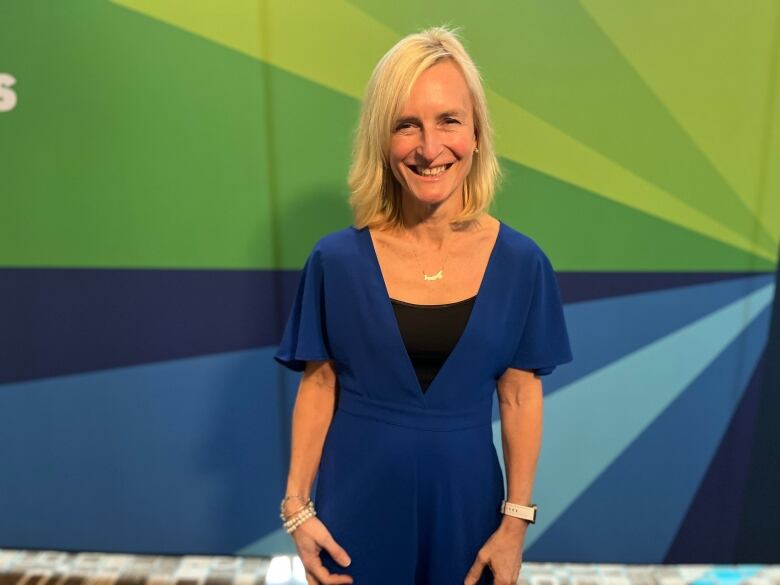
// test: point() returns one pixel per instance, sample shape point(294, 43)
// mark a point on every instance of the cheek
point(462, 146)
point(395, 160)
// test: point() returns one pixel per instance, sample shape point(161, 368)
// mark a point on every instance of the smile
point(430, 171)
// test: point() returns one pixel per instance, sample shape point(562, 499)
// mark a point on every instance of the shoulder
point(337, 245)
point(521, 246)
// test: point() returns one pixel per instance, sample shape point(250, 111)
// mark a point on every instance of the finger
point(335, 550)
point(324, 576)
point(310, 580)
point(475, 572)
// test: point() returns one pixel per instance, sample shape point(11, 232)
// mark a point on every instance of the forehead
point(439, 88)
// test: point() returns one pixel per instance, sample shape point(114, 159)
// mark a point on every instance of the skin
point(435, 127)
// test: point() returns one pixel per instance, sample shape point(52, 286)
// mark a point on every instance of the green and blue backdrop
point(167, 165)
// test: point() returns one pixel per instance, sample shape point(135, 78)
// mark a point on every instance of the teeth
point(432, 172)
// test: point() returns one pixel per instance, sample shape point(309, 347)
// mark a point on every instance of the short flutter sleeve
point(305, 336)
point(544, 342)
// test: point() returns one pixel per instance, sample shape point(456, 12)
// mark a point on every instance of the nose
point(430, 145)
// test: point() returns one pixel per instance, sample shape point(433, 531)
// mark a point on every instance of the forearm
point(312, 415)
point(521, 435)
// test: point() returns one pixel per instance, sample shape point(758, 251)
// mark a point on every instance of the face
point(433, 140)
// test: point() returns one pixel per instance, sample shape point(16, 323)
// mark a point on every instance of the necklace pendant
point(438, 276)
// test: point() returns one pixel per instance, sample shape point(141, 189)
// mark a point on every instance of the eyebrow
point(447, 114)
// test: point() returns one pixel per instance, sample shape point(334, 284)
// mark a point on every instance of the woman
point(405, 324)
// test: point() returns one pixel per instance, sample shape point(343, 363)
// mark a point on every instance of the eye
point(451, 121)
point(403, 126)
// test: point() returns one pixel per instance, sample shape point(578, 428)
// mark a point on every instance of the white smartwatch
point(518, 511)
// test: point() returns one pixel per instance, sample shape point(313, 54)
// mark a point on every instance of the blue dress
point(409, 481)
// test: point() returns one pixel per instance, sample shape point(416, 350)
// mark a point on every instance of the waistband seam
point(401, 415)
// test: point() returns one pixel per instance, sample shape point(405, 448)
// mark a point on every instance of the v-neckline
point(389, 314)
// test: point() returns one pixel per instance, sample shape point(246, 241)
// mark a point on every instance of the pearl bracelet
point(298, 517)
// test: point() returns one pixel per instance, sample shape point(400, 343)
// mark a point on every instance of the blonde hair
point(375, 194)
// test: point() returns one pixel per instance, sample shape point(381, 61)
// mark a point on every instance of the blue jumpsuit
point(409, 481)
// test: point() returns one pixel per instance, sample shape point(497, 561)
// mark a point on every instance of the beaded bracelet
point(293, 523)
point(297, 518)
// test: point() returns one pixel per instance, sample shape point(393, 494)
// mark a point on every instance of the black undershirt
point(430, 333)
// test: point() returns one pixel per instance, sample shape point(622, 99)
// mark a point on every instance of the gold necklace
point(439, 275)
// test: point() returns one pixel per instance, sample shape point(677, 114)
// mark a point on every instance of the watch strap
point(518, 511)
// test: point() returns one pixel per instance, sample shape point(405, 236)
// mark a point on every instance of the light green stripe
point(713, 72)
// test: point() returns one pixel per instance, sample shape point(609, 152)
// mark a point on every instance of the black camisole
point(430, 332)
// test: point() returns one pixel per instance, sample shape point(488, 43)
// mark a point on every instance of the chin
point(430, 198)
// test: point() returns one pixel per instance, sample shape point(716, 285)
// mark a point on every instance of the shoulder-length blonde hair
point(375, 194)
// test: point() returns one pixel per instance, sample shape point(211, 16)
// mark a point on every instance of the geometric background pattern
point(166, 167)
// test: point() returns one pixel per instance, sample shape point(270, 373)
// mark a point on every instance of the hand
point(503, 553)
point(310, 538)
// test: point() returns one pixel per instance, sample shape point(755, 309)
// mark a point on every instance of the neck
point(429, 224)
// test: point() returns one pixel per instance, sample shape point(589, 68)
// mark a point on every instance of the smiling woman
point(406, 325)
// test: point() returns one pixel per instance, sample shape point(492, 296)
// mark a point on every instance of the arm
point(520, 402)
point(520, 407)
point(312, 415)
